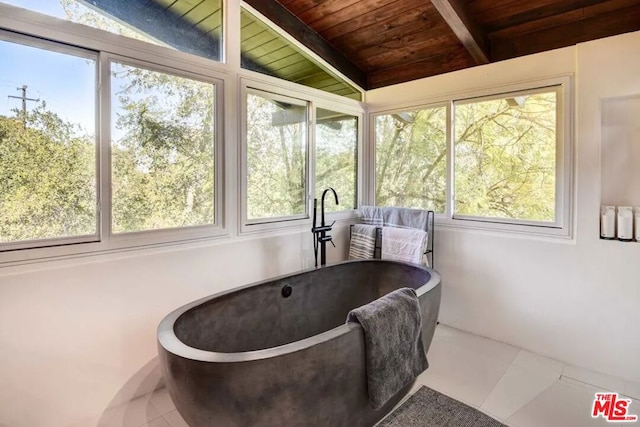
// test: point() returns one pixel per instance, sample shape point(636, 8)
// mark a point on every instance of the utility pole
point(24, 102)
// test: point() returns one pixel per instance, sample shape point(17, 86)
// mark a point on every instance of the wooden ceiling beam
point(470, 34)
point(595, 26)
point(290, 23)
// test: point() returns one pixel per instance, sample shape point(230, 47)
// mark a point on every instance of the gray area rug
point(428, 408)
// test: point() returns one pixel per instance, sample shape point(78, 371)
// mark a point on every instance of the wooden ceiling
point(382, 42)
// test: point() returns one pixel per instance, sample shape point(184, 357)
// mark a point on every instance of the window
point(48, 181)
point(411, 158)
point(266, 51)
point(276, 157)
point(337, 157)
point(183, 25)
point(163, 137)
point(294, 147)
point(505, 157)
point(492, 161)
point(152, 168)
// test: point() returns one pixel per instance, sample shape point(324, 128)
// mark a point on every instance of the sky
point(66, 83)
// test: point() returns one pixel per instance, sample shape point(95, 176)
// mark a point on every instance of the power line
point(24, 98)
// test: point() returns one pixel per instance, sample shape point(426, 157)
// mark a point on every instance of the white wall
point(77, 337)
point(577, 301)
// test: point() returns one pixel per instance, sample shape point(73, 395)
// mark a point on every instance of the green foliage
point(276, 158)
point(47, 178)
point(163, 159)
point(411, 159)
point(337, 158)
point(505, 158)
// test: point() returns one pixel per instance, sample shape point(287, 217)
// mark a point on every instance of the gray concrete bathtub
point(254, 357)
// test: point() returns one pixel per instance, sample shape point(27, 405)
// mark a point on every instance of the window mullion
point(311, 156)
point(104, 146)
point(450, 170)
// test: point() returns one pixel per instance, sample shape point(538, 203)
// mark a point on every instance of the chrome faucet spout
point(324, 193)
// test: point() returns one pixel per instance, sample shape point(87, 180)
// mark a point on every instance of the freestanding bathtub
point(278, 352)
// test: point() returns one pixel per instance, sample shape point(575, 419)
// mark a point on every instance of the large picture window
point(505, 157)
point(48, 181)
point(89, 162)
point(276, 157)
point(337, 157)
point(163, 135)
point(411, 158)
point(493, 161)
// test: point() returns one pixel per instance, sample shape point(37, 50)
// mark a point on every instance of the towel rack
point(430, 239)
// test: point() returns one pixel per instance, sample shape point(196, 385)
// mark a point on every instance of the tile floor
point(519, 388)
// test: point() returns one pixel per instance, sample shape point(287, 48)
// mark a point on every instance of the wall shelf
point(620, 152)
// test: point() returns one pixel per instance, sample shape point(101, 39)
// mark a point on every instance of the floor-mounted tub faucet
point(320, 233)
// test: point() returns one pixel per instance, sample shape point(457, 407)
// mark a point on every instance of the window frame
point(563, 226)
point(343, 213)
point(411, 108)
point(265, 85)
point(173, 233)
point(103, 52)
point(56, 47)
point(256, 223)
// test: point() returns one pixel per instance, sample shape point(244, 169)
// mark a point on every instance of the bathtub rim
point(169, 341)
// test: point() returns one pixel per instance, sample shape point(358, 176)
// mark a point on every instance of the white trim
point(449, 186)
point(25, 21)
point(176, 233)
point(103, 123)
point(277, 85)
point(259, 224)
point(561, 226)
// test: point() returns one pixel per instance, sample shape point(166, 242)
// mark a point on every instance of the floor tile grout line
point(532, 400)
point(589, 384)
point(500, 379)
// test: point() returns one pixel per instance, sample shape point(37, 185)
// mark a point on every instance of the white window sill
point(553, 234)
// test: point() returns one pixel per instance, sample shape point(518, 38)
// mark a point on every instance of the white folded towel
point(404, 244)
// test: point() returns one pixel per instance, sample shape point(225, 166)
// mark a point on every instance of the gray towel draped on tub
point(393, 343)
